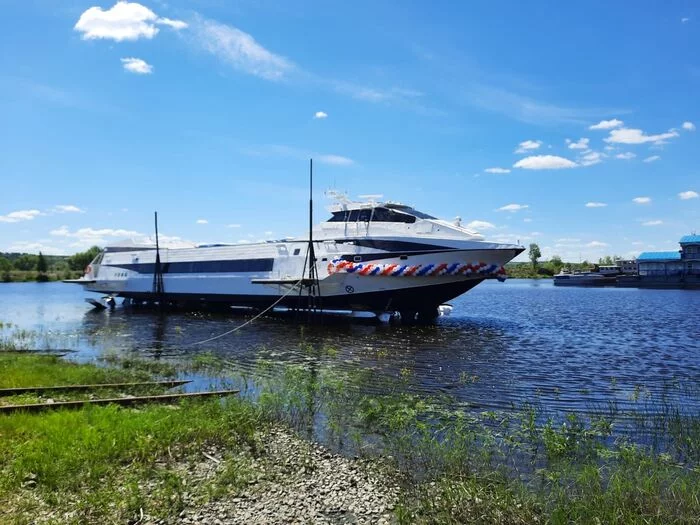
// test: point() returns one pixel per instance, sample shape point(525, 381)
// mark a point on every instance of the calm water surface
point(566, 349)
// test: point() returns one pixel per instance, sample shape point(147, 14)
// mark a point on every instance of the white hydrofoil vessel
point(370, 256)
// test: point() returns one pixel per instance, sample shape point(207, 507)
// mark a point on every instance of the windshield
point(411, 211)
point(378, 214)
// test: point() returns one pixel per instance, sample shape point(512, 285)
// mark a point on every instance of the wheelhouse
point(397, 213)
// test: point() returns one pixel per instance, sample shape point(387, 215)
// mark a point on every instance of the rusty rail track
point(123, 401)
point(82, 388)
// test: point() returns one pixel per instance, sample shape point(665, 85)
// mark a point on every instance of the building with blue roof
point(690, 239)
point(674, 269)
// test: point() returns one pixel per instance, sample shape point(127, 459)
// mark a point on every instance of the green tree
point(80, 260)
point(41, 265)
point(25, 262)
point(42, 268)
point(5, 267)
point(534, 254)
point(556, 261)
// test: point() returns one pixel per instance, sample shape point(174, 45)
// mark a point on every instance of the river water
point(505, 344)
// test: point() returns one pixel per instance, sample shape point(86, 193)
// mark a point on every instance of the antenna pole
point(314, 286)
point(311, 200)
point(158, 288)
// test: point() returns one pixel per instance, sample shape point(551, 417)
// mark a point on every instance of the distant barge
point(599, 276)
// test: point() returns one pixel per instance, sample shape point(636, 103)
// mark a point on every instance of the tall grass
point(507, 466)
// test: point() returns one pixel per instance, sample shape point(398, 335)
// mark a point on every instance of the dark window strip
point(230, 266)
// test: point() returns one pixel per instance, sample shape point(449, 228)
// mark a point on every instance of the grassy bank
point(109, 464)
point(27, 276)
point(456, 464)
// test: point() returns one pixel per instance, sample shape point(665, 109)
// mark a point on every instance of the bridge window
point(379, 214)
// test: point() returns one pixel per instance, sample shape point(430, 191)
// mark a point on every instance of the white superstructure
point(374, 256)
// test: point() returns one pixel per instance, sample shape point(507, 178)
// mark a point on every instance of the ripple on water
point(505, 344)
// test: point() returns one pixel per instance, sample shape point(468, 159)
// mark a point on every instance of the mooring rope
point(253, 318)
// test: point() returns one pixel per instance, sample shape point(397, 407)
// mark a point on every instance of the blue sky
point(567, 124)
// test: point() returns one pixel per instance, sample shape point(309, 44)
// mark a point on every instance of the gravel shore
point(296, 481)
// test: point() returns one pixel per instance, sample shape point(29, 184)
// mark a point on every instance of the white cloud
point(370, 94)
point(581, 144)
point(625, 156)
point(597, 244)
point(20, 215)
point(568, 240)
point(607, 124)
point(137, 65)
point(240, 50)
point(652, 223)
point(36, 247)
point(123, 21)
point(595, 205)
point(637, 136)
point(513, 207)
point(527, 219)
point(320, 115)
point(497, 170)
point(335, 160)
point(641, 200)
point(544, 162)
point(233, 225)
point(591, 158)
point(67, 208)
point(688, 126)
point(480, 225)
point(685, 19)
point(653, 158)
point(690, 194)
point(202, 221)
point(175, 24)
point(528, 145)
point(100, 236)
point(297, 153)
point(63, 231)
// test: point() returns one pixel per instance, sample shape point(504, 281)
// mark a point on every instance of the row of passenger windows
point(372, 214)
point(235, 265)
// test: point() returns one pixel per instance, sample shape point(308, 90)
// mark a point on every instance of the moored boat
point(369, 256)
point(598, 276)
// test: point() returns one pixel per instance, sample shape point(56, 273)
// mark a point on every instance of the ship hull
point(351, 276)
point(415, 298)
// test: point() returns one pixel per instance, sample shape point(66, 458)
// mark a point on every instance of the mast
point(314, 288)
point(158, 288)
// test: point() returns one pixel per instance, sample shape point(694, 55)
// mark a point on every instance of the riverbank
point(248, 460)
point(30, 276)
point(193, 462)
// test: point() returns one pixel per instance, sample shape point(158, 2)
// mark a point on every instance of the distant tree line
point(537, 270)
point(29, 267)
